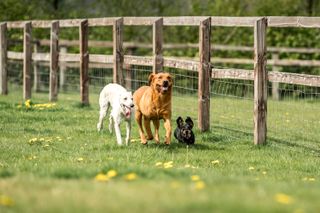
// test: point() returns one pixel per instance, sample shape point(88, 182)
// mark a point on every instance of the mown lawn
point(223, 172)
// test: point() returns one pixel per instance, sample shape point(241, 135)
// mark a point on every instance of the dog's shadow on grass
point(176, 146)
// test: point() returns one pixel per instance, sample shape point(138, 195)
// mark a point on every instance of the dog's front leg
point(128, 128)
point(117, 130)
point(167, 126)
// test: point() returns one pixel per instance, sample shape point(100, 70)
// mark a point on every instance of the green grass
point(50, 177)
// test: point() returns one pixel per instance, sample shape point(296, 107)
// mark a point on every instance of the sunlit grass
point(54, 160)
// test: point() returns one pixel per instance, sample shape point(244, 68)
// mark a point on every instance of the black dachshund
point(183, 133)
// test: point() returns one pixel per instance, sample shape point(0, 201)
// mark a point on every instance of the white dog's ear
point(151, 76)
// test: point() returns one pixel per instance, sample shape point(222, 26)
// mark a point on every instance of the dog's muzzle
point(127, 110)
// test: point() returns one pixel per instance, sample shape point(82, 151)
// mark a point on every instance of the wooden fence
point(203, 66)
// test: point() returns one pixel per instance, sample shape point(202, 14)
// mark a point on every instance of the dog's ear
point(189, 122)
point(151, 76)
point(179, 122)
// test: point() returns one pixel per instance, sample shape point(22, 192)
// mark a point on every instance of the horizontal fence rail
point(273, 21)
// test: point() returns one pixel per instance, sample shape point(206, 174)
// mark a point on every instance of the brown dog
point(154, 103)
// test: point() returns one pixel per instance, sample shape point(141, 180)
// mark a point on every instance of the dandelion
point(215, 162)
point(134, 140)
point(46, 146)
point(187, 166)
point(112, 173)
point(251, 168)
point(199, 185)
point(168, 165)
point(312, 179)
point(6, 201)
point(159, 164)
point(283, 198)
point(195, 177)
point(264, 172)
point(102, 177)
point(131, 176)
point(80, 159)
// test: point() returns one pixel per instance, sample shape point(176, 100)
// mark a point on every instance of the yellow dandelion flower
point(131, 176)
point(195, 177)
point(80, 159)
point(251, 168)
point(187, 166)
point(287, 121)
point(264, 172)
point(112, 173)
point(200, 185)
point(6, 201)
point(102, 177)
point(167, 166)
point(46, 146)
point(134, 140)
point(159, 164)
point(215, 162)
point(283, 198)
point(312, 179)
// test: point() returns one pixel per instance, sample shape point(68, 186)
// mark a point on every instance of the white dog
point(121, 103)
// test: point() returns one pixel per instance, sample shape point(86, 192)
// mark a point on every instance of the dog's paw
point(99, 127)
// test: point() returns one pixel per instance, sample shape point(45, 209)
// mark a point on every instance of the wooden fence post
point(118, 52)
point(27, 59)
point(260, 81)
point(36, 77)
point(84, 62)
point(54, 61)
point(157, 39)
point(275, 85)
point(3, 60)
point(204, 75)
point(63, 67)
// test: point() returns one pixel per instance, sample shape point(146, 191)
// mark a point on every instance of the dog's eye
point(125, 99)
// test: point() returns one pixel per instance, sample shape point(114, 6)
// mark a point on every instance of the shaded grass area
point(56, 174)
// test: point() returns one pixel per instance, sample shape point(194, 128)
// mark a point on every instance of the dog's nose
point(165, 83)
point(132, 105)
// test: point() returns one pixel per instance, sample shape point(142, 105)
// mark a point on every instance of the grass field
point(223, 172)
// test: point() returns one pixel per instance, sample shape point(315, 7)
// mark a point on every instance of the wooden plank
point(138, 60)
point(204, 75)
point(27, 58)
point(232, 74)
point(98, 58)
point(183, 20)
point(15, 55)
point(157, 32)
point(233, 21)
point(260, 82)
point(181, 64)
point(84, 62)
point(36, 74)
point(54, 61)
point(294, 21)
point(69, 57)
point(118, 55)
point(3, 59)
point(293, 78)
point(139, 21)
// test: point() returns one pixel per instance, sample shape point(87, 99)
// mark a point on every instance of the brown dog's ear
point(150, 78)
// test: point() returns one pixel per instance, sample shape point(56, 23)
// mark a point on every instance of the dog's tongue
point(128, 112)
